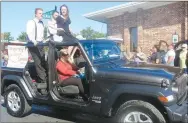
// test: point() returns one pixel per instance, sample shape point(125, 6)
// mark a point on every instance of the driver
point(68, 74)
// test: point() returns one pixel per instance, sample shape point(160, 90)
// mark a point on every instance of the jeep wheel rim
point(14, 101)
point(137, 117)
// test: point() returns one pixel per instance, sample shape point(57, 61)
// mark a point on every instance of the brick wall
point(115, 26)
point(186, 20)
point(154, 24)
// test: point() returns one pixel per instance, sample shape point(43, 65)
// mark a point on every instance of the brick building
point(145, 23)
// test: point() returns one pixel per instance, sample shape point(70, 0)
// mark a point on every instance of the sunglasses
point(65, 54)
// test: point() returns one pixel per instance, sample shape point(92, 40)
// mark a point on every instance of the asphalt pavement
point(42, 114)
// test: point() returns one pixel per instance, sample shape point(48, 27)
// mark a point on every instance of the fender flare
point(20, 82)
point(116, 91)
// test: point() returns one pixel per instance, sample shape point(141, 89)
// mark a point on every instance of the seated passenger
point(67, 73)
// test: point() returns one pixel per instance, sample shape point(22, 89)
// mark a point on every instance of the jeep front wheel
point(15, 101)
point(136, 111)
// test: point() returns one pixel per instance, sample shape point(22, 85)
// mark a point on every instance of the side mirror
point(82, 64)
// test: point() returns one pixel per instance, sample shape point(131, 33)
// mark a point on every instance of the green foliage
point(22, 36)
point(89, 33)
point(7, 36)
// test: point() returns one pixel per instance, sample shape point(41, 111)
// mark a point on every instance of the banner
point(17, 56)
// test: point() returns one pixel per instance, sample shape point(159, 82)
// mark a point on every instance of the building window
point(133, 38)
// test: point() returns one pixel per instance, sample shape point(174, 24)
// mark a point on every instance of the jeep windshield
point(102, 50)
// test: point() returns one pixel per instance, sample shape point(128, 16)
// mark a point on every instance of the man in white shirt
point(35, 33)
point(170, 56)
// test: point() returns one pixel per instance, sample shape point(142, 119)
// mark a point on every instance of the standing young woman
point(63, 22)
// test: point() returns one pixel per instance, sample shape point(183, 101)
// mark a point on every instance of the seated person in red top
point(67, 72)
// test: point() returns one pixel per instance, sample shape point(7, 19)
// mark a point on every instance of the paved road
point(42, 114)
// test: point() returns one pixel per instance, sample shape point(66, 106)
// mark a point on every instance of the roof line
point(112, 8)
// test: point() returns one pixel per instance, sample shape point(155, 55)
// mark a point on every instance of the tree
point(22, 36)
point(98, 35)
point(7, 36)
point(89, 33)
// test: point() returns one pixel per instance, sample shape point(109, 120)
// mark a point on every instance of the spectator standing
point(163, 47)
point(5, 58)
point(155, 55)
point(2, 58)
point(170, 56)
point(2, 61)
point(183, 57)
point(139, 55)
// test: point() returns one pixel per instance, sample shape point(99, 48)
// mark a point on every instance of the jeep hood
point(156, 67)
point(141, 73)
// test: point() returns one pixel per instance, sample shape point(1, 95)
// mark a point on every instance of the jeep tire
point(138, 111)
point(15, 101)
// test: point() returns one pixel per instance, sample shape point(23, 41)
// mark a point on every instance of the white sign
point(17, 56)
point(174, 39)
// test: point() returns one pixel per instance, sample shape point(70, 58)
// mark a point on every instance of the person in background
point(63, 22)
point(163, 47)
point(155, 55)
point(5, 58)
point(2, 59)
point(183, 57)
point(68, 75)
point(126, 52)
point(35, 33)
point(170, 56)
point(52, 27)
point(2, 54)
point(139, 55)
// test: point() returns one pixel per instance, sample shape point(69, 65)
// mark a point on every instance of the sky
point(14, 15)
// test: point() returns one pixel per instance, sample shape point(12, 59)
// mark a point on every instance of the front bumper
point(178, 113)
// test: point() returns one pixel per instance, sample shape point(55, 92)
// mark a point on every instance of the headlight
point(175, 89)
point(170, 98)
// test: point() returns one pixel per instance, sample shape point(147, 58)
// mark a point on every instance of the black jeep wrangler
point(123, 91)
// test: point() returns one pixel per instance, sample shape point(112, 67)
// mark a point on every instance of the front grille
point(182, 83)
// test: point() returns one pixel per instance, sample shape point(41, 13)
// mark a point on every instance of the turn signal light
point(163, 99)
point(166, 99)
